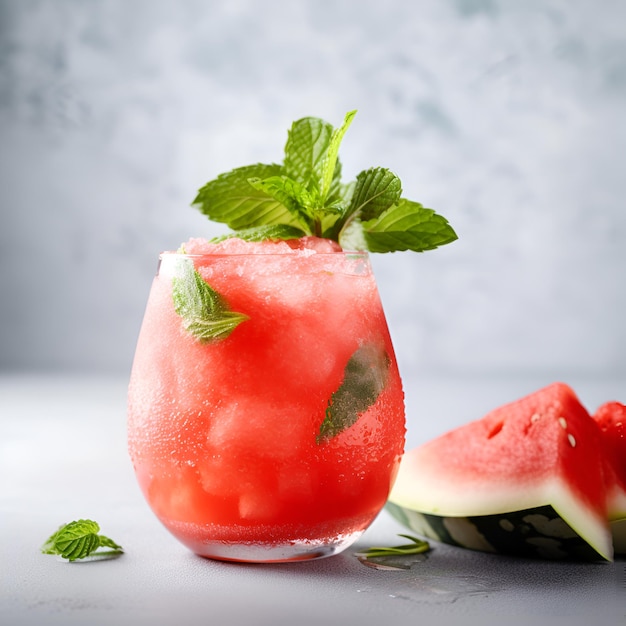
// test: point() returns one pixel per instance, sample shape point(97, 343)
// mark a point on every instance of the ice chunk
point(257, 504)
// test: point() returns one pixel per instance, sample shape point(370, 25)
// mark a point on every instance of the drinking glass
point(280, 440)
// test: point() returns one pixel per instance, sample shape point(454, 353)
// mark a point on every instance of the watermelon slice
point(527, 479)
point(611, 418)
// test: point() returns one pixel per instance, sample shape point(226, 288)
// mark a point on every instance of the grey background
point(506, 117)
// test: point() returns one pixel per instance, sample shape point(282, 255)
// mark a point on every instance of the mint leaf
point(105, 542)
point(231, 199)
point(80, 539)
point(376, 190)
point(365, 376)
point(417, 546)
point(330, 172)
point(289, 193)
point(204, 312)
point(352, 236)
point(306, 148)
point(407, 226)
point(271, 232)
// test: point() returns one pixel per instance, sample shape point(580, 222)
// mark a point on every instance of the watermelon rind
point(618, 530)
point(438, 499)
point(538, 532)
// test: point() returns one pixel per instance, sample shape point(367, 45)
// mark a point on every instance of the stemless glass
point(281, 441)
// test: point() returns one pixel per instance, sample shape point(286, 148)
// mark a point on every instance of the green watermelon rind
point(538, 532)
point(618, 530)
point(438, 497)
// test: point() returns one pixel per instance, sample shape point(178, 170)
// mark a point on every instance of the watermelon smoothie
point(281, 440)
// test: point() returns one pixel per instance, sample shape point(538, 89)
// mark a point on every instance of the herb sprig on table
point(417, 546)
point(304, 196)
point(81, 539)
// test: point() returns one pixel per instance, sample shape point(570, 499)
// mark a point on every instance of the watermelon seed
point(563, 422)
point(572, 440)
point(535, 417)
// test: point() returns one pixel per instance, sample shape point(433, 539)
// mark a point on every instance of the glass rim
point(296, 253)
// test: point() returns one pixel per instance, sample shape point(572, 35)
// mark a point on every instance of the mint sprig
point(305, 196)
point(81, 539)
point(204, 312)
point(417, 546)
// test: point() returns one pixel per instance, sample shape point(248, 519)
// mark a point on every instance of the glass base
point(274, 553)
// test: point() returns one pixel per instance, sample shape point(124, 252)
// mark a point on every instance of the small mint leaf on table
point(80, 539)
point(365, 376)
point(417, 546)
point(105, 542)
point(203, 310)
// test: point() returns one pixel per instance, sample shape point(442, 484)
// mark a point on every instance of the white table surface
point(63, 457)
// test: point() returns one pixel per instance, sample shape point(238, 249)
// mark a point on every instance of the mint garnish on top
point(305, 196)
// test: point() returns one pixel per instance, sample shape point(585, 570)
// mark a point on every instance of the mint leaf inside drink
point(365, 376)
point(305, 196)
point(205, 314)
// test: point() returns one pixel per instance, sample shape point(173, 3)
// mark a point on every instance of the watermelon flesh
point(611, 418)
point(535, 464)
